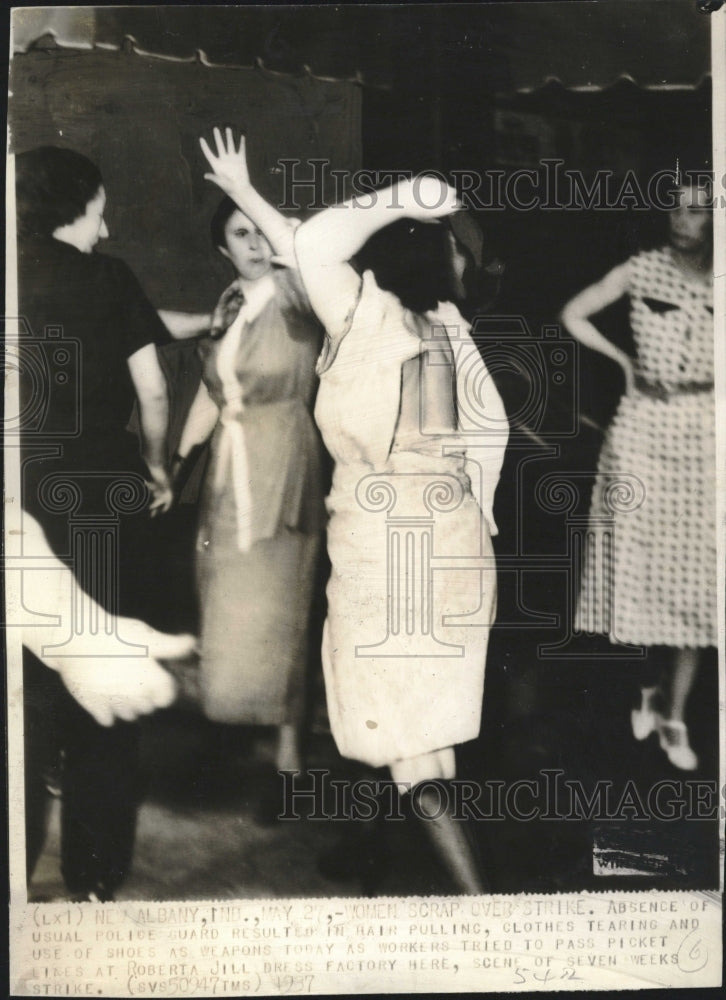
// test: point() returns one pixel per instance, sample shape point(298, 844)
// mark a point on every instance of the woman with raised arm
point(417, 431)
point(263, 509)
point(658, 586)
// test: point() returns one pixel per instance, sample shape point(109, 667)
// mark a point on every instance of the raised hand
point(230, 173)
point(228, 163)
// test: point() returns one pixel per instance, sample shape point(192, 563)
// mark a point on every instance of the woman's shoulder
point(379, 308)
point(58, 269)
point(111, 269)
point(376, 330)
point(645, 261)
point(651, 269)
point(377, 301)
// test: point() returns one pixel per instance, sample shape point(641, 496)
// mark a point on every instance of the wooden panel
point(139, 118)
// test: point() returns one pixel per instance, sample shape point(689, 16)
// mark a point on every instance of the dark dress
point(83, 315)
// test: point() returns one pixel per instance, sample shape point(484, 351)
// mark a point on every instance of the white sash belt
point(232, 461)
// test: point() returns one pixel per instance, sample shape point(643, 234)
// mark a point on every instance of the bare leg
point(288, 757)
point(450, 838)
point(672, 730)
point(685, 665)
point(427, 776)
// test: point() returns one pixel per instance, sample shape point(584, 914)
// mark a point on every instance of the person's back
point(80, 299)
point(88, 350)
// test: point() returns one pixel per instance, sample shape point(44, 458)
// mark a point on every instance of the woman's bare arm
point(325, 243)
point(104, 681)
point(576, 318)
point(152, 393)
point(229, 172)
point(185, 325)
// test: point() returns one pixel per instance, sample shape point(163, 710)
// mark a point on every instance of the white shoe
point(644, 720)
point(673, 738)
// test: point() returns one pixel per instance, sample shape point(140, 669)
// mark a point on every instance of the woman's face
point(246, 247)
point(85, 231)
point(690, 221)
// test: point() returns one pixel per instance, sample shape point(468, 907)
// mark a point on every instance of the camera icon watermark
point(83, 621)
point(45, 371)
point(541, 372)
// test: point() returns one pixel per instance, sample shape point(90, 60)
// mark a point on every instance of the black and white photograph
point(364, 497)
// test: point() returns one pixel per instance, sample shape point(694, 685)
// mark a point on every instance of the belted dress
point(650, 561)
point(412, 589)
point(262, 511)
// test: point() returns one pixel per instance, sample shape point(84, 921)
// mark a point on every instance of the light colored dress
point(262, 512)
point(649, 572)
point(412, 591)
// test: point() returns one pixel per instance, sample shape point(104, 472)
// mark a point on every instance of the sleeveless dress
point(649, 573)
point(412, 591)
point(262, 513)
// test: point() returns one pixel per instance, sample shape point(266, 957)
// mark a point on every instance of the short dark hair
point(53, 187)
point(412, 260)
point(225, 209)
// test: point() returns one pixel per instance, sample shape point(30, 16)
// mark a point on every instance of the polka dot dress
point(649, 571)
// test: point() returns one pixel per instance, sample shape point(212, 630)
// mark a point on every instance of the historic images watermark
point(549, 795)
point(549, 187)
point(546, 363)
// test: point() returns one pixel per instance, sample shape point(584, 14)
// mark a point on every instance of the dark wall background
point(510, 43)
point(140, 117)
point(613, 85)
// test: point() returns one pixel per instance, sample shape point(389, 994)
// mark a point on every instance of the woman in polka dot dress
point(654, 583)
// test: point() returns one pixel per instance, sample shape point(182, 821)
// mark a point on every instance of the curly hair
point(412, 260)
point(53, 187)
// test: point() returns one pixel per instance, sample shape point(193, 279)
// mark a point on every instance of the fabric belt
point(657, 390)
point(232, 461)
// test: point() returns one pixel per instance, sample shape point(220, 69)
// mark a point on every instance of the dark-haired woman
point(657, 587)
point(91, 326)
point(262, 509)
point(417, 431)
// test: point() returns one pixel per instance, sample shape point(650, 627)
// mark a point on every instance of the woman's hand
point(229, 164)
point(230, 173)
point(162, 491)
point(427, 198)
point(126, 687)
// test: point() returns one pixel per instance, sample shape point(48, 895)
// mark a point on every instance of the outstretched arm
point(229, 172)
point(184, 325)
point(576, 318)
point(325, 243)
point(106, 684)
